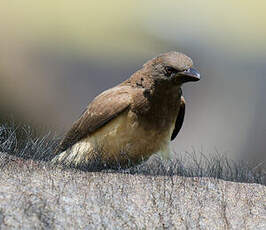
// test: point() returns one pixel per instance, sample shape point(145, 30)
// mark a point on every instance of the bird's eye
point(169, 71)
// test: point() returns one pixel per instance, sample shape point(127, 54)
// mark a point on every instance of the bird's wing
point(180, 118)
point(100, 111)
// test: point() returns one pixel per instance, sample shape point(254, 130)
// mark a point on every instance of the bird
point(126, 124)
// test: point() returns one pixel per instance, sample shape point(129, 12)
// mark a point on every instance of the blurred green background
point(56, 55)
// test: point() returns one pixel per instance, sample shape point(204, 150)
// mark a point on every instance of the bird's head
point(173, 67)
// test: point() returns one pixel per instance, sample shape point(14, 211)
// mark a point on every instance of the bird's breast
point(125, 136)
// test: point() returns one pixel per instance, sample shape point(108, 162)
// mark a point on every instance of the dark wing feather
point(100, 111)
point(180, 118)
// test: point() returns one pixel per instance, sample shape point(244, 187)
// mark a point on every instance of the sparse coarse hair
point(20, 141)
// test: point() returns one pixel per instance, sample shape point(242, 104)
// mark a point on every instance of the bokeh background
point(56, 55)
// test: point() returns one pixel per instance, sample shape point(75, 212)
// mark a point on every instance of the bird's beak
point(189, 75)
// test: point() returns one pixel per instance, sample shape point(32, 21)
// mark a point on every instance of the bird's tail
point(80, 158)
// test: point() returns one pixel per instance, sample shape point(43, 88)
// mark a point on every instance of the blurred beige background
point(56, 55)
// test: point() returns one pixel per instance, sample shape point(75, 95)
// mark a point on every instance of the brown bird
point(126, 124)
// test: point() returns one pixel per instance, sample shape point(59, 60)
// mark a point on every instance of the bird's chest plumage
point(125, 136)
point(160, 110)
